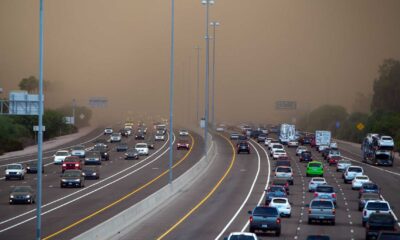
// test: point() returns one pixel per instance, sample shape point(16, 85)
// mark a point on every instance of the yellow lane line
point(207, 196)
point(122, 198)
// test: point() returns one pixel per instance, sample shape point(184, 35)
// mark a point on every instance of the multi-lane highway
point(69, 212)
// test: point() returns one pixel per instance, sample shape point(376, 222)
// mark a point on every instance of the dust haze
point(310, 51)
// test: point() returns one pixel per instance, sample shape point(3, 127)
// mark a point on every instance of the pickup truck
point(265, 219)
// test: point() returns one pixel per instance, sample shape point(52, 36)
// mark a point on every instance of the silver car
point(315, 182)
point(342, 165)
point(321, 210)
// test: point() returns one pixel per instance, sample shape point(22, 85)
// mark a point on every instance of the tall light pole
point(40, 133)
point(214, 24)
point(207, 4)
point(171, 92)
point(198, 83)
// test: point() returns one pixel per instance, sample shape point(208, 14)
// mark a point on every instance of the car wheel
point(333, 222)
point(278, 233)
point(61, 186)
point(309, 221)
point(251, 230)
point(363, 224)
point(360, 208)
point(307, 175)
point(22, 178)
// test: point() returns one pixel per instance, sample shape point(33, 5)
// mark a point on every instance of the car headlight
point(63, 180)
point(83, 174)
point(77, 180)
point(105, 153)
point(11, 196)
point(28, 196)
point(94, 174)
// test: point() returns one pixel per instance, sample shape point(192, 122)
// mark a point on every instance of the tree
point(324, 118)
point(387, 87)
point(30, 84)
point(362, 103)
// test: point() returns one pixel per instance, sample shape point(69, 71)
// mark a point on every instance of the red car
point(72, 162)
point(183, 144)
point(334, 160)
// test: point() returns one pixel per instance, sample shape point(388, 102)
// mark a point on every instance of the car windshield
point(141, 145)
point(265, 211)
point(89, 169)
point(378, 206)
point(370, 186)
point(22, 189)
point(334, 152)
point(362, 178)
point(279, 201)
point(354, 169)
point(241, 237)
point(314, 164)
point(78, 148)
point(62, 153)
point(387, 139)
point(277, 146)
point(322, 204)
point(306, 154)
point(92, 154)
point(132, 151)
point(71, 174)
point(276, 189)
point(14, 167)
point(318, 180)
point(285, 170)
point(344, 162)
point(325, 189)
point(280, 151)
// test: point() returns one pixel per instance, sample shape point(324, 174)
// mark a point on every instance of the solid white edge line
point(247, 197)
point(97, 183)
point(266, 185)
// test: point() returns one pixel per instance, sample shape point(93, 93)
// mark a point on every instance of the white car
point(333, 145)
point(315, 182)
point(159, 137)
point(241, 235)
point(15, 170)
point(183, 132)
point(373, 206)
point(267, 141)
point(220, 128)
point(142, 148)
point(322, 148)
point(283, 206)
point(300, 149)
point(351, 172)
point(386, 141)
point(279, 153)
point(276, 146)
point(342, 165)
point(115, 137)
point(284, 172)
point(60, 155)
point(358, 181)
point(108, 131)
point(273, 142)
point(78, 151)
point(293, 143)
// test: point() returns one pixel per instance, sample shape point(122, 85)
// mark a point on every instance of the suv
point(72, 163)
point(379, 222)
point(351, 172)
point(265, 219)
point(142, 148)
point(15, 170)
point(374, 206)
point(321, 210)
point(285, 172)
point(305, 156)
point(325, 191)
point(243, 147)
point(369, 187)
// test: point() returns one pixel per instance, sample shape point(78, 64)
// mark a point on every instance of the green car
point(315, 168)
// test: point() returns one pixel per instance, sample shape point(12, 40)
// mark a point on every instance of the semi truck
point(287, 133)
point(322, 139)
point(378, 150)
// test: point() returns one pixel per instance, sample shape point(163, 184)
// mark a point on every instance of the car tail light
point(64, 165)
point(365, 213)
point(76, 164)
point(251, 219)
point(278, 220)
point(334, 211)
point(309, 210)
point(315, 194)
point(334, 195)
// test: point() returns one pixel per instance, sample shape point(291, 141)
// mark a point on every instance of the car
point(274, 191)
point(242, 138)
point(351, 172)
point(300, 149)
point(102, 142)
point(279, 153)
point(142, 130)
point(315, 182)
point(358, 181)
point(281, 182)
point(274, 147)
point(78, 151)
point(32, 167)
point(283, 206)
point(125, 132)
point(285, 172)
point(158, 137)
point(378, 222)
point(108, 131)
point(234, 136)
point(305, 140)
point(220, 129)
point(293, 143)
point(122, 147)
point(142, 148)
point(273, 142)
point(131, 153)
point(386, 235)
point(261, 137)
point(365, 197)
point(150, 144)
point(243, 146)
point(318, 237)
point(386, 141)
point(325, 152)
point(60, 155)
point(14, 170)
point(103, 149)
point(93, 157)
point(241, 236)
point(91, 173)
point(333, 145)
point(369, 187)
point(267, 141)
point(332, 152)
point(182, 144)
point(115, 137)
point(321, 148)
point(333, 160)
point(325, 191)
point(342, 165)
point(373, 206)
point(183, 132)
point(315, 168)
point(255, 133)
point(22, 194)
point(305, 156)
point(265, 219)
point(72, 178)
point(321, 210)
point(72, 163)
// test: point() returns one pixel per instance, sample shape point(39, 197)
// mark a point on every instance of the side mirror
point(307, 205)
point(249, 212)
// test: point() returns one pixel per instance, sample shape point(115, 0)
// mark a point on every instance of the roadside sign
point(202, 123)
point(285, 105)
point(69, 120)
point(36, 128)
point(360, 126)
point(82, 116)
point(98, 102)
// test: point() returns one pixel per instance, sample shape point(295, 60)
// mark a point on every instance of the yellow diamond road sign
point(360, 126)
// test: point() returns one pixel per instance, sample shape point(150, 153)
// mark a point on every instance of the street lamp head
point(209, 2)
point(214, 23)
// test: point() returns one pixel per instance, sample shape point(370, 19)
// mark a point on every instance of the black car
point(265, 219)
point(122, 147)
point(32, 167)
point(325, 152)
point(242, 138)
point(379, 222)
point(103, 149)
point(131, 154)
point(72, 178)
point(22, 194)
point(243, 147)
point(140, 136)
point(318, 237)
point(306, 140)
point(150, 145)
point(305, 156)
point(93, 157)
point(101, 141)
point(91, 173)
point(385, 235)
